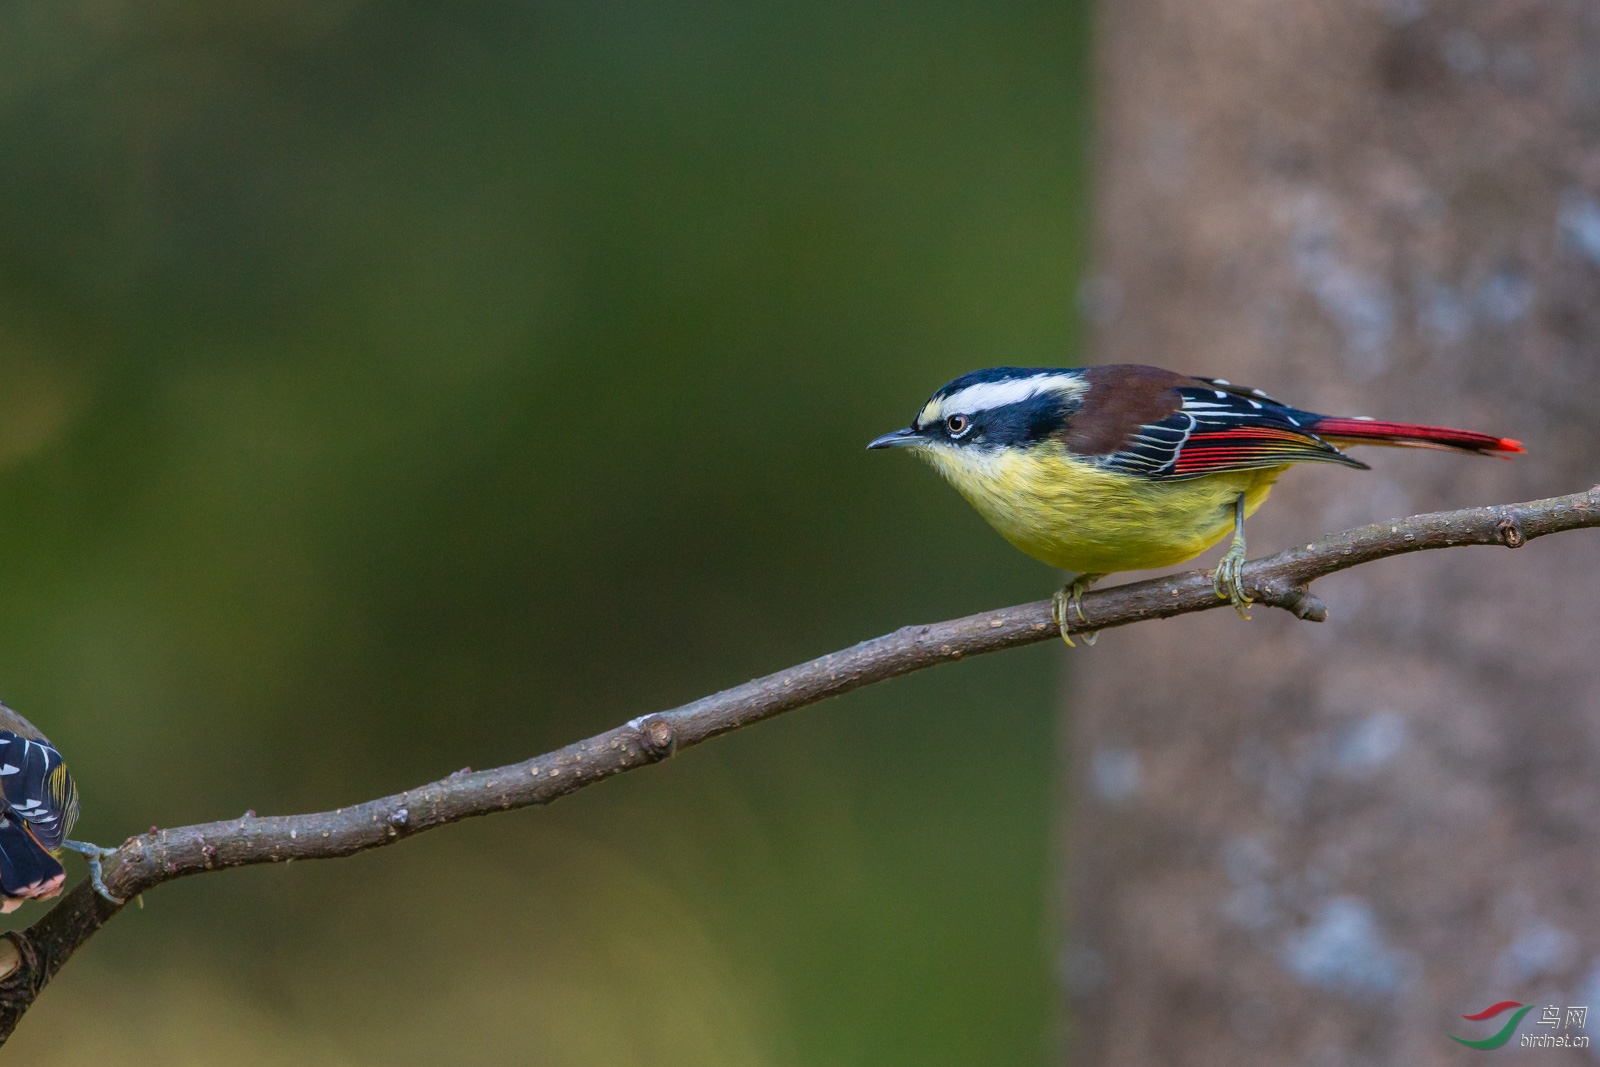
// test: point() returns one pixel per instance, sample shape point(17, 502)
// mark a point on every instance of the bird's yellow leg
point(1229, 579)
point(1070, 598)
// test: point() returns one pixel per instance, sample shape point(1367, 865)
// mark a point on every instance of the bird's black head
point(1001, 407)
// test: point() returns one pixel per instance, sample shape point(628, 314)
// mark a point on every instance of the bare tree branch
point(29, 959)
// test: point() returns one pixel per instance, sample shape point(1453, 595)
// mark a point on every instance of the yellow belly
point(1079, 517)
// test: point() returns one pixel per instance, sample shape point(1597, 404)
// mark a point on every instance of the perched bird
point(1117, 468)
point(38, 805)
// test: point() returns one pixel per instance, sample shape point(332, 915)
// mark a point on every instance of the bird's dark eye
point(957, 425)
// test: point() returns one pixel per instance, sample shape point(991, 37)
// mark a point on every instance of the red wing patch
point(1249, 448)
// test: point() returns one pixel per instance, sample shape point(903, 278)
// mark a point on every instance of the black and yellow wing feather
point(38, 804)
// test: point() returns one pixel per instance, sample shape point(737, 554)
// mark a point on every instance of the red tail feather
point(1404, 433)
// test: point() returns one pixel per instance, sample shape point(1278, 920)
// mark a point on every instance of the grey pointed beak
point(907, 436)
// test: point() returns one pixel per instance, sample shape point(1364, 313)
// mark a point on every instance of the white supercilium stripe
point(986, 396)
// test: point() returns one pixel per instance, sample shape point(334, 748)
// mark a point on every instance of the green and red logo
point(1501, 1036)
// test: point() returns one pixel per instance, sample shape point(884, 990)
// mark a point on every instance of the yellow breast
point(1079, 517)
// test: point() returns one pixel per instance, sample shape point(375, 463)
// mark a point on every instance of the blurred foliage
point(392, 387)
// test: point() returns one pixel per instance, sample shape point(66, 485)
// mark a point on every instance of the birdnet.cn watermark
point(1563, 1026)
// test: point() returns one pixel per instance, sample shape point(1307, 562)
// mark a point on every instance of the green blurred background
point(392, 387)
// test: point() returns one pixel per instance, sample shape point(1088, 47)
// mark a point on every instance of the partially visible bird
point(1126, 467)
point(38, 805)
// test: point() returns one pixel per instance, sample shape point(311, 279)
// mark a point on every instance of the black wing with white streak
point(36, 787)
point(1221, 427)
point(1152, 450)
